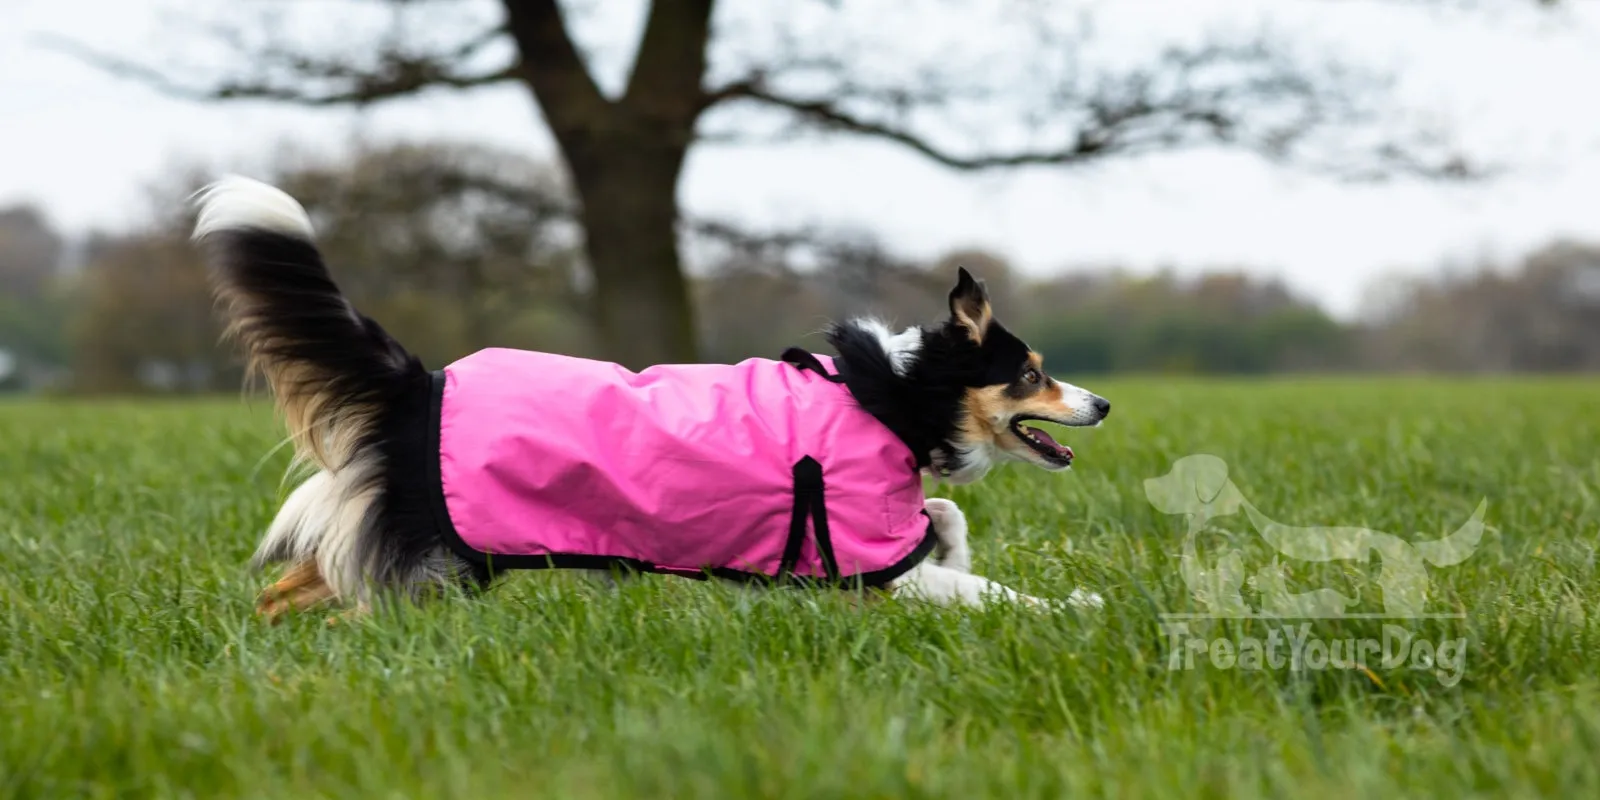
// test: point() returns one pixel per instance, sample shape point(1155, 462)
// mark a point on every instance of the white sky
point(1518, 87)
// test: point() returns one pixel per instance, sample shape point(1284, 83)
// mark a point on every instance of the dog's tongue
point(1046, 438)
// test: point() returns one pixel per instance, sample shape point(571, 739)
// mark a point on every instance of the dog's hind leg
point(300, 588)
point(604, 578)
point(950, 525)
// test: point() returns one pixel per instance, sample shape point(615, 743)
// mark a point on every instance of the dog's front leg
point(950, 526)
point(936, 583)
point(946, 578)
point(939, 584)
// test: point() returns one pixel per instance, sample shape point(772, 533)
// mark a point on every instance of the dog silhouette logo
point(1198, 487)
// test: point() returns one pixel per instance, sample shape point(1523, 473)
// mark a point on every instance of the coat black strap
point(807, 484)
point(804, 359)
point(819, 530)
point(809, 504)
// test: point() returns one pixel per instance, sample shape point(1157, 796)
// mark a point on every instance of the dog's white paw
point(950, 525)
point(1085, 599)
point(1079, 599)
point(942, 511)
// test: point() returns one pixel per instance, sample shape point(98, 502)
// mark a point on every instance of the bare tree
point(625, 153)
point(32, 336)
point(30, 252)
point(451, 247)
point(1539, 315)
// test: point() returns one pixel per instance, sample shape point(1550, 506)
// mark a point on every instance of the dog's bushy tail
point(331, 369)
point(337, 378)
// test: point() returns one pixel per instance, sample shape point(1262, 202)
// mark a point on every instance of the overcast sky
point(1516, 86)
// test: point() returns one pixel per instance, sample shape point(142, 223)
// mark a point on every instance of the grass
point(130, 664)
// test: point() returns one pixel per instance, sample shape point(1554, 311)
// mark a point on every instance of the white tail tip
point(236, 202)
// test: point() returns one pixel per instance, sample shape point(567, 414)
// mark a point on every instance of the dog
point(806, 470)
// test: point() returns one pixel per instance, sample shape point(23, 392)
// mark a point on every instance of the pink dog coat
point(553, 461)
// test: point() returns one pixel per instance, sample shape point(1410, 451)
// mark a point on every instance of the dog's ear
point(969, 306)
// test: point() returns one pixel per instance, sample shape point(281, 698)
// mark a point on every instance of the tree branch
point(829, 115)
point(671, 62)
point(561, 83)
point(313, 81)
point(1242, 96)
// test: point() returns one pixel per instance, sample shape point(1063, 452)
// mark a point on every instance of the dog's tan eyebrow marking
point(1035, 360)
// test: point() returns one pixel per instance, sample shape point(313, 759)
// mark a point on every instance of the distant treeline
point(454, 248)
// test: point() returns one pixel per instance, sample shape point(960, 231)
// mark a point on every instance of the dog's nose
point(1103, 406)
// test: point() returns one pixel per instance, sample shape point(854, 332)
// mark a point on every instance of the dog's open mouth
point(1042, 443)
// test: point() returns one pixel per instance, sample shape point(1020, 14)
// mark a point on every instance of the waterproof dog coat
point(757, 469)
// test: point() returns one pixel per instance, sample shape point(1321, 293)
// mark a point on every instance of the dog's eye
point(1031, 376)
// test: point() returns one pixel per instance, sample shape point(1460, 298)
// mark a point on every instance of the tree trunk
point(642, 306)
point(625, 157)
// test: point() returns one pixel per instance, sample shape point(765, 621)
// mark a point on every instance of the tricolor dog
point(803, 470)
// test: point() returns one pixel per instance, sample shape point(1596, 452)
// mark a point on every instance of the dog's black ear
point(969, 305)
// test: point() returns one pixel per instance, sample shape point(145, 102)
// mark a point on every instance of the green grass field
point(131, 665)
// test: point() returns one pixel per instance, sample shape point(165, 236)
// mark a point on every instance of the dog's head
point(1006, 387)
point(962, 393)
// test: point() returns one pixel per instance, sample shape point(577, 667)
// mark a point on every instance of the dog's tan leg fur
point(300, 588)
